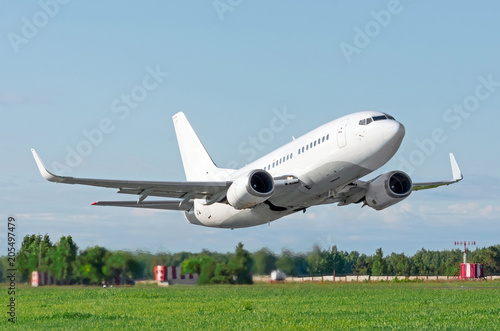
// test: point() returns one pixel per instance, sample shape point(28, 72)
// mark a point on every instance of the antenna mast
point(465, 243)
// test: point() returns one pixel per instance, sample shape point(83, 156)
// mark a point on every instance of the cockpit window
point(368, 120)
point(365, 121)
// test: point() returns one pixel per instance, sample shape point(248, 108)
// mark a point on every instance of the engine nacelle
point(388, 189)
point(250, 189)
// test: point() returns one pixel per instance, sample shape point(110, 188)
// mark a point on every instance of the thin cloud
point(12, 99)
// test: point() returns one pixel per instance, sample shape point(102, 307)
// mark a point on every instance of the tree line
point(95, 265)
point(69, 266)
point(237, 271)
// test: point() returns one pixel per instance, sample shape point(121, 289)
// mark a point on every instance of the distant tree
point(316, 261)
point(264, 262)
point(362, 266)
point(121, 264)
point(33, 255)
point(286, 263)
point(191, 265)
point(62, 257)
point(299, 264)
point(491, 260)
point(223, 258)
point(210, 272)
point(398, 265)
point(208, 266)
point(204, 265)
point(222, 274)
point(420, 263)
point(379, 266)
point(338, 260)
point(90, 265)
point(450, 262)
point(324, 262)
point(177, 258)
point(4, 265)
point(350, 262)
point(147, 261)
point(240, 265)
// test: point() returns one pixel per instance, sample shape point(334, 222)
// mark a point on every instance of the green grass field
point(454, 305)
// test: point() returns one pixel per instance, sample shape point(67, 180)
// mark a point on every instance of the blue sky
point(68, 67)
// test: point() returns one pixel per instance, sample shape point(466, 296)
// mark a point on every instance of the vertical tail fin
point(198, 165)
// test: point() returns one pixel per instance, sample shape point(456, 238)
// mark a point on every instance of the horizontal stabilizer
point(169, 205)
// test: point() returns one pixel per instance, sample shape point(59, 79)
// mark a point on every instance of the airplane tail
point(198, 165)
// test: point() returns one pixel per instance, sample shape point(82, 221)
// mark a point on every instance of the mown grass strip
point(454, 305)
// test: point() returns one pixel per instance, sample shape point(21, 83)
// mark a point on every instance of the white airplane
point(321, 167)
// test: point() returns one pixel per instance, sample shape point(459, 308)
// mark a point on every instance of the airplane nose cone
point(394, 133)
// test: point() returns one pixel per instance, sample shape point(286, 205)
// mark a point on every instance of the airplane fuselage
point(324, 160)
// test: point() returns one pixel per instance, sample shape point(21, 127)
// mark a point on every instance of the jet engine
point(250, 189)
point(388, 189)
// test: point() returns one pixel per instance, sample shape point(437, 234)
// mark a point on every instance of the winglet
point(457, 174)
point(43, 170)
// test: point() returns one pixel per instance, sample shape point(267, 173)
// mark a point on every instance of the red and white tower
point(469, 270)
point(465, 243)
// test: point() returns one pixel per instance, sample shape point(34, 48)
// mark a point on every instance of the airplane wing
point(355, 192)
point(457, 176)
point(184, 191)
point(181, 190)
